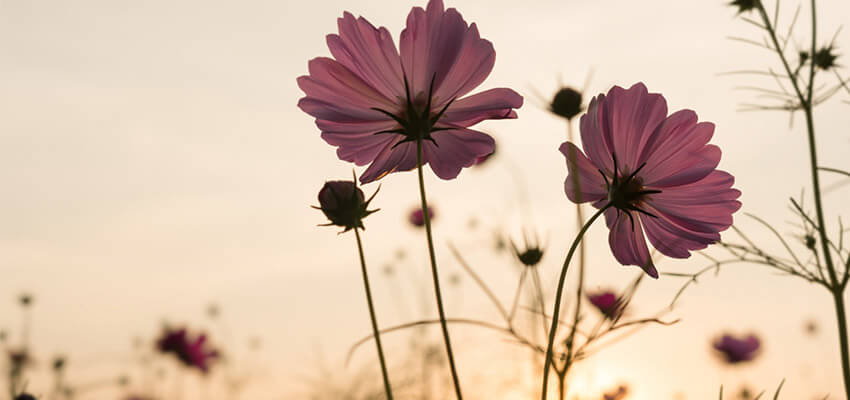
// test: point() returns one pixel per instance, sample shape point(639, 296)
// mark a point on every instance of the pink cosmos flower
point(735, 350)
point(193, 353)
point(374, 103)
point(417, 217)
point(657, 172)
point(607, 302)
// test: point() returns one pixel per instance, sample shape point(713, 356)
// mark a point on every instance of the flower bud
point(344, 204)
point(567, 103)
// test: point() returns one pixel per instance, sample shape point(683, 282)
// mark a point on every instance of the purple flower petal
point(458, 148)
point(627, 241)
point(590, 182)
point(490, 104)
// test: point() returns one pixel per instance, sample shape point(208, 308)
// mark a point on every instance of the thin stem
point(581, 249)
point(434, 273)
point(807, 105)
point(838, 296)
point(374, 319)
point(558, 293)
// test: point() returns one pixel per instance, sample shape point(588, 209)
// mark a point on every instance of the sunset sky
point(153, 161)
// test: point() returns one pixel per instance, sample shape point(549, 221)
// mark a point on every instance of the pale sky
point(153, 160)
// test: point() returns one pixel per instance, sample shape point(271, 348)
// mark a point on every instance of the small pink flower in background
point(737, 350)
point(193, 353)
point(658, 173)
point(607, 302)
point(374, 103)
point(18, 358)
point(417, 217)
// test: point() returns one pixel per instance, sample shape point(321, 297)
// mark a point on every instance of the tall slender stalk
point(548, 361)
point(435, 275)
point(375, 332)
point(836, 286)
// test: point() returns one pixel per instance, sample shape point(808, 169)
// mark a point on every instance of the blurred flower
point(375, 103)
point(655, 172)
point(19, 358)
point(620, 393)
point(25, 299)
point(567, 103)
point(737, 350)
point(530, 255)
point(417, 217)
point(213, 311)
point(58, 363)
point(825, 58)
point(745, 5)
point(607, 302)
point(344, 204)
point(193, 353)
point(25, 396)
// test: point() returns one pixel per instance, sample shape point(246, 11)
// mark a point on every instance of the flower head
point(825, 57)
point(192, 352)
point(655, 173)
point(344, 204)
point(607, 302)
point(25, 396)
point(531, 254)
point(567, 103)
point(375, 103)
point(417, 217)
point(737, 350)
point(745, 5)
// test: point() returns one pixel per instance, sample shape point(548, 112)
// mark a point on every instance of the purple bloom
point(193, 353)
point(607, 302)
point(657, 172)
point(417, 217)
point(735, 350)
point(374, 103)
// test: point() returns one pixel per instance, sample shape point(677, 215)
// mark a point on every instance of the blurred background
point(153, 162)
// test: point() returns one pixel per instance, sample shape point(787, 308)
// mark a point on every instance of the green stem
point(375, 331)
point(559, 292)
point(838, 296)
point(435, 275)
point(806, 102)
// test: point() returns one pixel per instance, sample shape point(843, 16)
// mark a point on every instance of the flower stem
point(375, 331)
point(556, 312)
point(434, 273)
point(807, 104)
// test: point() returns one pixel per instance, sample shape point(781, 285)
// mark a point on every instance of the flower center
point(626, 192)
point(416, 123)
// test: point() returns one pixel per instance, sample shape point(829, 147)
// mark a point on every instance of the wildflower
point(25, 396)
point(531, 255)
point(735, 350)
point(375, 103)
point(19, 358)
point(25, 300)
point(654, 172)
point(824, 58)
point(607, 302)
point(745, 5)
point(344, 204)
point(59, 363)
point(567, 103)
point(417, 217)
point(193, 353)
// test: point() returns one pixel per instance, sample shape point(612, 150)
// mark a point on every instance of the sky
point(153, 161)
